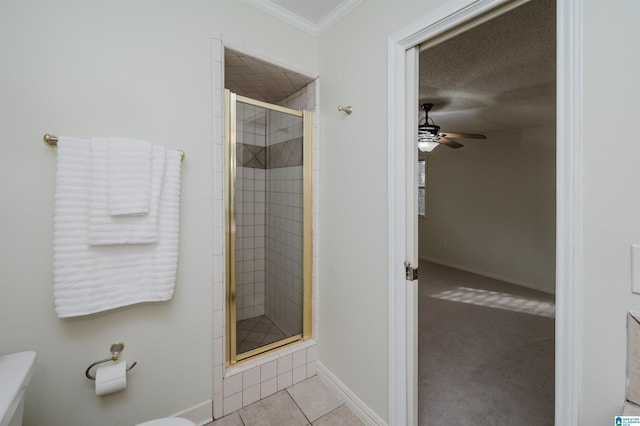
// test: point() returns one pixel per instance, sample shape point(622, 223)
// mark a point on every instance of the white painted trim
point(412, 79)
point(568, 210)
point(200, 414)
point(412, 352)
point(482, 273)
point(568, 257)
point(397, 236)
point(298, 21)
point(336, 14)
point(359, 408)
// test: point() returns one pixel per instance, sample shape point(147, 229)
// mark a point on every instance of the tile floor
point(251, 333)
point(307, 403)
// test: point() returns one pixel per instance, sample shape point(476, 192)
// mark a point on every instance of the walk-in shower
point(268, 191)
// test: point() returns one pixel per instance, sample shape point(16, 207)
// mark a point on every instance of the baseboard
point(200, 414)
point(483, 273)
point(359, 408)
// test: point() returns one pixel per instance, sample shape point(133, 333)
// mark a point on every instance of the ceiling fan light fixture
point(428, 132)
point(427, 146)
point(428, 137)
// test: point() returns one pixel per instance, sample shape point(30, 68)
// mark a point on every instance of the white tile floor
point(310, 402)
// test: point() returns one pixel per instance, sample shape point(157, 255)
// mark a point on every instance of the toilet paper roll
point(111, 378)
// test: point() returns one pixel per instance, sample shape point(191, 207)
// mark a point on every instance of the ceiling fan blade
point(462, 135)
point(449, 142)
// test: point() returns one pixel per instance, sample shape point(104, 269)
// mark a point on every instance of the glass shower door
point(269, 206)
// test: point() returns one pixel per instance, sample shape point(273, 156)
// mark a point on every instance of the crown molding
point(299, 22)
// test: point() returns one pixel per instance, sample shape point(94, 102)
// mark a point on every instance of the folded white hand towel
point(105, 228)
point(129, 176)
point(89, 279)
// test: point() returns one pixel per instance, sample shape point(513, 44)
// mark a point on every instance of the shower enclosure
point(268, 190)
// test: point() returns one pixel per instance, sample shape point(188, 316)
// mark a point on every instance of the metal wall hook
point(116, 349)
point(346, 109)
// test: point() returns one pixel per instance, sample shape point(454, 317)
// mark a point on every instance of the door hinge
point(412, 273)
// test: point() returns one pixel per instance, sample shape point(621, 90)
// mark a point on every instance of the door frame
point(402, 125)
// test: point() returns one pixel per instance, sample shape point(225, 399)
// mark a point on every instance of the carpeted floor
point(486, 351)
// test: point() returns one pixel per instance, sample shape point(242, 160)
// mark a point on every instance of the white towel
point(122, 229)
point(129, 176)
point(89, 279)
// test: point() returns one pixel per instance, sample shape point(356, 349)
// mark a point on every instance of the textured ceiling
point(256, 79)
point(499, 75)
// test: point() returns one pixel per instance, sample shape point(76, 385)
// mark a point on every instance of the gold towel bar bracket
point(116, 349)
point(52, 141)
point(346, 109)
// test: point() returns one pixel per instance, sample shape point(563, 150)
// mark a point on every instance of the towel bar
point(52, 141)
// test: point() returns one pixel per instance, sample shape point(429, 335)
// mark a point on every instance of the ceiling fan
point(430, 136)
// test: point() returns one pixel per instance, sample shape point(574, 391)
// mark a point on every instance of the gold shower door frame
point(230, 213)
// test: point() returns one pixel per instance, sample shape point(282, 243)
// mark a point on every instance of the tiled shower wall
point(284, 249)
point(250, 211)
point(284, 224)
point(241, 385)
point(218, 270)
point(285, 258)
point(270, 146)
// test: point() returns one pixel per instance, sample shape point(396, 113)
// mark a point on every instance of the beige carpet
point(486, 351)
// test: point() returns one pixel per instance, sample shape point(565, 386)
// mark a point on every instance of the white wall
point(610, 201)
point(491, 207)
point(138, 69)
point(353, 304)
point(353, 334)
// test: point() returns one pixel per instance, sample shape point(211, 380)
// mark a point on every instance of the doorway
point(487, 235)
point(403, 122)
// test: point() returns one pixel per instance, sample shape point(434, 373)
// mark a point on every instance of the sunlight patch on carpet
point(495, 299)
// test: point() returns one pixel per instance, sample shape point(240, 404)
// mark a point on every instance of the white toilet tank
point(15, 373)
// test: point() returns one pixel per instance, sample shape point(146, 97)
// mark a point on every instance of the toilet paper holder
point(116, 349)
